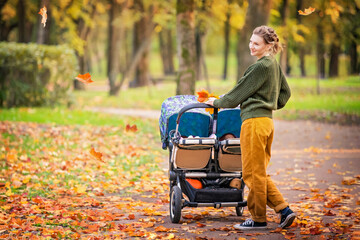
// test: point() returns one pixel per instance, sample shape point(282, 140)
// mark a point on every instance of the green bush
point(35, 75)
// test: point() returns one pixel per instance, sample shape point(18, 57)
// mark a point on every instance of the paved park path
point(317, 168)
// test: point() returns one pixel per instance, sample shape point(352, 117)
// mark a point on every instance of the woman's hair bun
point(270, 37)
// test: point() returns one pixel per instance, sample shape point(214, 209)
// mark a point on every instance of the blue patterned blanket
point(195, 122)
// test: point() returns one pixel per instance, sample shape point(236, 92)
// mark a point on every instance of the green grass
point(339, 95)
point(64, 116)
point(141, 98)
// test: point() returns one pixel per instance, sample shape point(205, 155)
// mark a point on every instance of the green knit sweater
point(262, 89)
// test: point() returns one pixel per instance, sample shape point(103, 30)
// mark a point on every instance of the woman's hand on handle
point(210, 101)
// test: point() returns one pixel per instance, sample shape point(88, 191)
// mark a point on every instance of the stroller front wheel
point(175, 204)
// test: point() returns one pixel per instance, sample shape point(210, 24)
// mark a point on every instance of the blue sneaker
point(249, 224)
point(287, 217)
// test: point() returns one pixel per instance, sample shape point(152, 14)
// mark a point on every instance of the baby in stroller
point(205, 170)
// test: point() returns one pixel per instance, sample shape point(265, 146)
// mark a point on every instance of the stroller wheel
point(175, 204)
point(239, 211)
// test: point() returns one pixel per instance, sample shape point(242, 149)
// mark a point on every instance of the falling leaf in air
point(132, 128)
point(85, 78)
point(203, 95)
point(44, 15)
point(307, 11)
point(97, 155)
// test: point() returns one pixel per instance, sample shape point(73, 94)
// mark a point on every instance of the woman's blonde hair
point(270, 37)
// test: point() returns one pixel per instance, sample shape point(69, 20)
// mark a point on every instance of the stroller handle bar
point(191, 106)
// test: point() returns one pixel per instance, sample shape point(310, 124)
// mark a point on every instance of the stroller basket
point(212, 194)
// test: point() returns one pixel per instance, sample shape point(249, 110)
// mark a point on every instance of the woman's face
point(258, 47)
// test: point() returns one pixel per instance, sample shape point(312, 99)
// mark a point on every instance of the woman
point(262, 89)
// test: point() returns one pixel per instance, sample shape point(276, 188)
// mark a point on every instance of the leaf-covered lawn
point(53, 187)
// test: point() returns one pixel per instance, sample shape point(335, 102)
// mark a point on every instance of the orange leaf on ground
point(348, 181)
point(132, 128)
point(188, 216)
point(277, 230)
point(307, 11)
point(85, 78)
point(315, 230)
point(329, 213)
point(200, 225)
point(161, 229)
point(44, 15)
point(97, 155)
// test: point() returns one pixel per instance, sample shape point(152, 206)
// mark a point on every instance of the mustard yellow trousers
point(256, 138)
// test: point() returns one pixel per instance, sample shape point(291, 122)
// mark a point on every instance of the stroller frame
point(209, 171)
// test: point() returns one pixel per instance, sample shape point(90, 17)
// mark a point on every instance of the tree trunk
point(284, 53)
point(166, 51)
point(5, 27)
point(43, 32)
point(185, 25)
point(334, 60)
point(82, 70)
point(142, 74)
point(200, 34)
point(302, 61)
point(320, 49)
point(134, 62)
point(83, 31)
point(354, 69)
point(301, 48)
point(198, 49)
point(334, 53)
point(21, 7)
point(226, 43)
point(114, 40)
point(257, 14)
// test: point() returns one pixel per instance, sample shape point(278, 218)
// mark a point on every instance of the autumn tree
point(226, 40)
point(142, 33)
point(203, 12)
point(83, 27)
point(43, 32)
point(284, 12)
point(350, 20)
point(185, 23)
point(166, 51)
point(257, 14)
point(6, 22)
point(300, 46)
point(166, 26)
point(115, 36)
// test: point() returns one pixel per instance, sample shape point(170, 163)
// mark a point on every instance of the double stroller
point(204, 167)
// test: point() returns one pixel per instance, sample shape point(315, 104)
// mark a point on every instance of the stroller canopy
point(195, 122)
